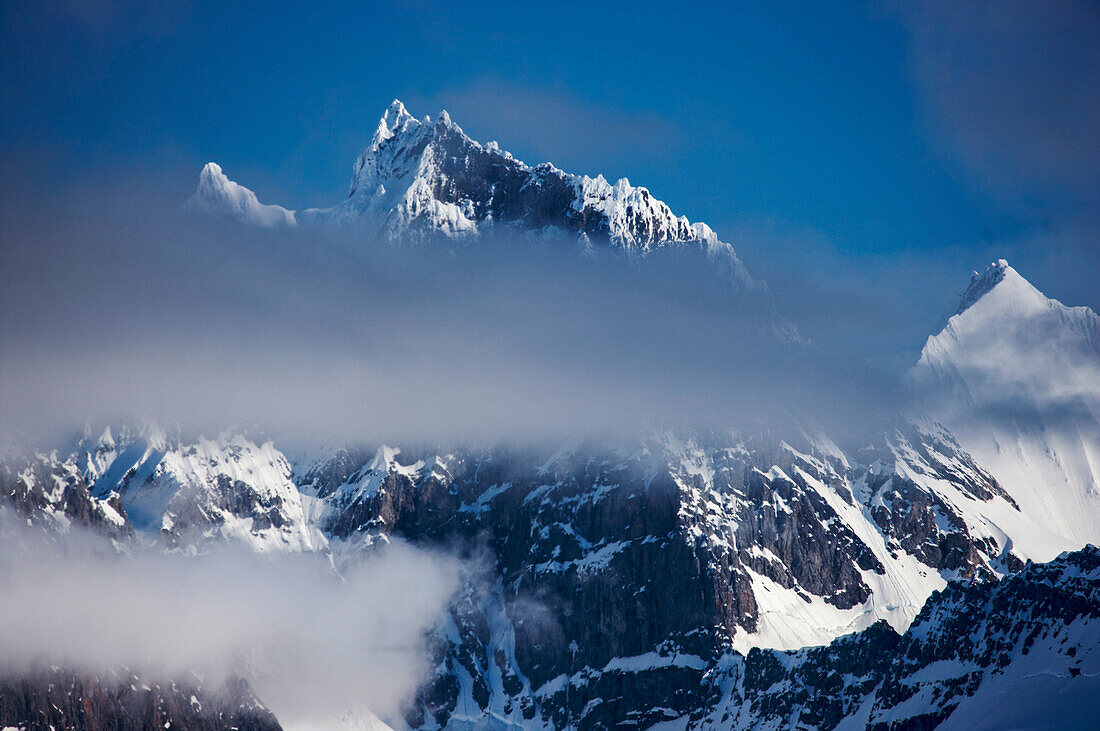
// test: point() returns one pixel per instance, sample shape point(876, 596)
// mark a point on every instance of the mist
point(312, 644)
point(118, 305)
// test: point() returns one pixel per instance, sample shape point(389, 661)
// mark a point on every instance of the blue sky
point(824, 135)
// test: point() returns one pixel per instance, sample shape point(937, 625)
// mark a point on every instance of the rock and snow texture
point(619, 577)
point(57, 698)
point(424, 177)
point(1023, 652)
point(613, 566)
point(217, 195)
point(183, 492)
point(644, 565)
point(49, 491)
point(1015, 376)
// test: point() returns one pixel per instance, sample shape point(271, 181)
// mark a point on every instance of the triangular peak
point(998, 287)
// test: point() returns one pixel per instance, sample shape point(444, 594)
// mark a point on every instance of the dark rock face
point(502, 188)
point(826, 688)
point(495, 187)
point(59, 699)
point(913, 516)
point(617, 578)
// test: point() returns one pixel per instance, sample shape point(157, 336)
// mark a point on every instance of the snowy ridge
point(189, 491)
point(425, 177)
point(981, 284)
point(804, 543)
point(707, 543)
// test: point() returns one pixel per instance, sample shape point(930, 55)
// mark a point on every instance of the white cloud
point(314, 645)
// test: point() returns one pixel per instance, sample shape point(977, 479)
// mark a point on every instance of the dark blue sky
point(804, 132)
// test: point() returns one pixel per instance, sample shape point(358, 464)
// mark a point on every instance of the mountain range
point(935, 576)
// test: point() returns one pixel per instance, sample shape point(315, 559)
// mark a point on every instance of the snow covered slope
point(187, 491)
point(217, 195)
point(1015, 376)
point(425, 177)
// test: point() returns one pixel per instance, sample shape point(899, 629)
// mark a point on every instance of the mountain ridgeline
point(422, 178)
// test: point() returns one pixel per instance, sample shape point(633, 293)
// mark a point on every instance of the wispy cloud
point(1013, 89)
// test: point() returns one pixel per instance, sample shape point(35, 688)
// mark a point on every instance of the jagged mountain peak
point(211, 174)
point(396, 115)
point(425, 176)
point(431, 172)
point(444, 119)
point(999, 287)
point(1000, 300)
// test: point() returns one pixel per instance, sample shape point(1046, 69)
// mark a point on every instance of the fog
point(117, 305)
point(314, 646)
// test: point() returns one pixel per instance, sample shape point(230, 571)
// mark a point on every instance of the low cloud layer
point(314, 645)
point(118, 306)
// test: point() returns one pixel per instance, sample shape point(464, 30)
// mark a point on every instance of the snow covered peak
point(1015, 376)
point(212, 175)
point(389, 155)
point(424, 177)
point(1009, 341)
point(1001, 304)
point(217, 195)
point(395, 122)
point(444, 119)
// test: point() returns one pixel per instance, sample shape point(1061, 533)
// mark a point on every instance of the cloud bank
point(117, 306)
point(313, 645)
